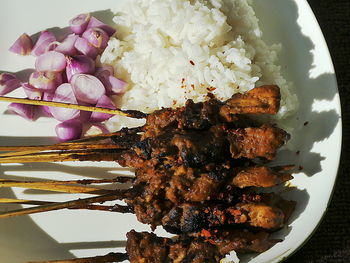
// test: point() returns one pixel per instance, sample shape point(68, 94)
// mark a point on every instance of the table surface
point(331, 241)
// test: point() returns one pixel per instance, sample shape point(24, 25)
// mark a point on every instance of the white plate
point(64, 234)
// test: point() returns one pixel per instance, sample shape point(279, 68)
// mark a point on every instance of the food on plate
point(195, 167)
point(201, 76)
point(172, 51)
point(66, 71)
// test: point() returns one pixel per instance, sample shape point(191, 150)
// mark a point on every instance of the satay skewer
point(126, 113)
point(69, 189)
point(65, 186)
point(115, 195)
point(118, 179)
point(83, 143)
point(62, 156)
point(111, 257)
point(114, 208)
point(31, 149)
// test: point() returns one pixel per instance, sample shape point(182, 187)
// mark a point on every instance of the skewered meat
point(185, 184)
point(194, 168)
point(206, 247)
point(254, 211)
point(195, 149)
point(200, 116)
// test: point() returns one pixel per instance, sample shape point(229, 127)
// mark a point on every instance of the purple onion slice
point(103, 102)
point(67, 47)
point(28, 112)
point(79, 64)
point(69, 130)
point(32, 93)
point(87, 88)
point(42, 44)
point(96, 37)
point(79, 23)
point(23, 45)
point(64, 93)
point(84, 47)
point(94, 22)
point(51, 61)
point(8, 83)
point(45, 81)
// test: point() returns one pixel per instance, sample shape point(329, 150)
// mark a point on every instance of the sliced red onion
point(26, 111)
point(112, 84)
point(116, 86)
point(64, 93)
point(103, 68)
point(45, 39)
point(96, 37)
point(69, 130)
point(51, 61)
point(85, 48)
point(8, 83)
point(79, 23)
point(95, 129)
point(87, 88)
point(45, 81)
point(52, 46)
point(94, 22)
point(103, 102)
point(79, 64)
point(23, 45)
point(47, 97)
point(67, 46)
point(31, 92)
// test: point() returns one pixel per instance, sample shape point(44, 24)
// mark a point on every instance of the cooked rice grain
point(170, 51)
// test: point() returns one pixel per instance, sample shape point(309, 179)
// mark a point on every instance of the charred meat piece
point(181, 184)
point(260, 176)
point(148, 248)
point(189, 218)
point(218, 144)
point(240, 240)
point(260, 142)
point(202, 115)
point(204, 247)
point(260, 100)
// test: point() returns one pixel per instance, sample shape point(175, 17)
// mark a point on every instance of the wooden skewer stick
point(84, 143)
point(118, 179)
point(26, 150)
point(57, 206)
point(115, 208)
point(59, 147)
point(22, 202)
point(70, 189)
point(82, 155)
point(127, 113)
point(111, 257)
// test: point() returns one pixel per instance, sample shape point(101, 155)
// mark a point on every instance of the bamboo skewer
point(127, 113)
point(27, 150)
point(82, 155)
point(69, 204)
point(111, 257)
point(58, 147)
point(22, 202)
point(83, 143)
point(70, 189)
point(66, 186)
point(119, 179)
point(115, 208)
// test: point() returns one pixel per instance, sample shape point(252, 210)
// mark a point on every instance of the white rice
point(170, 51)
